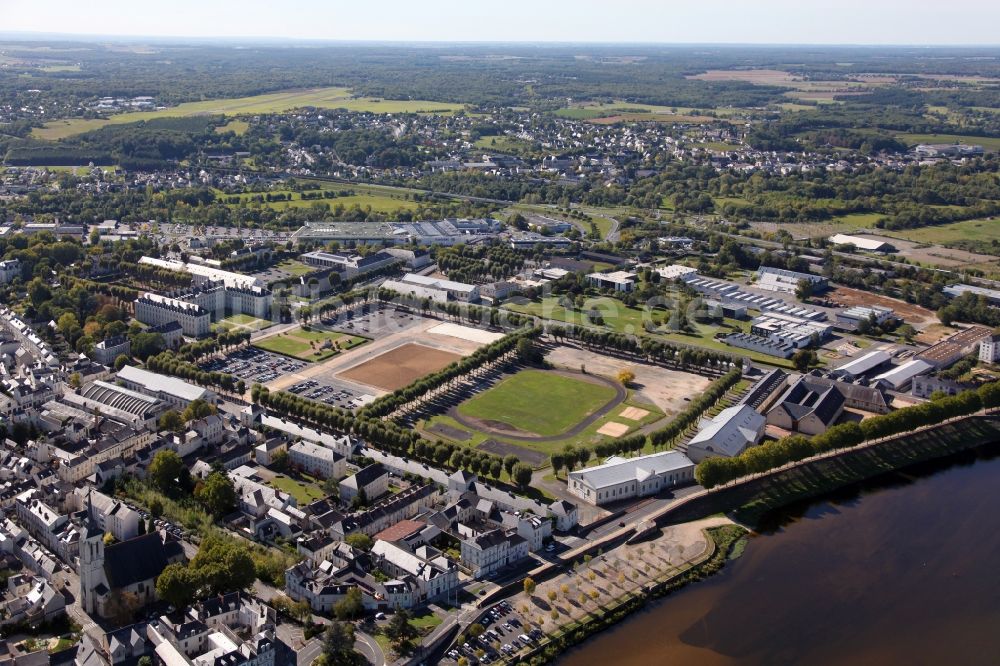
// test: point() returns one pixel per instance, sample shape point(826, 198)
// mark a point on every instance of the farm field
point(325, 98)
point(842, 224)
point(381, 200)
point(400, 367)
point(537, 402)
point(983, 230)
point(592, 111)
point(309, 345)
point(991, 144)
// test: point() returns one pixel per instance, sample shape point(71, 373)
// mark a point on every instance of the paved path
point(620, 395)
point(369, 647)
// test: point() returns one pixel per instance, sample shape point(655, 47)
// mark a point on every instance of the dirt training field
point(400, 367)
point(913, 314)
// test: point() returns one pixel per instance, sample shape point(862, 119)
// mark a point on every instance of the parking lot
point(254, 365)
point(337, 396)
point(373, 321)
point(505, 635)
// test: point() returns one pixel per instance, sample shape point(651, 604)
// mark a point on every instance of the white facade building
point(155, 310)
point(624, 478)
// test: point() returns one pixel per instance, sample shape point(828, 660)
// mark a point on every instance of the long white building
point(624, 478)
point(171, 390)
point(436, 289)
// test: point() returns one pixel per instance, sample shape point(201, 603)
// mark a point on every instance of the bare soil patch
point(529, 456)
point(450, 432)
point(666, 389)
point(634, 413)
point(613, 429)
point(911, 313)
point(400, 367)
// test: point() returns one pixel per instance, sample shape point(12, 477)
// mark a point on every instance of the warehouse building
point(728, 434)
point(778, 279)
point(866, 244)
point(863, 365)
point(899, 377)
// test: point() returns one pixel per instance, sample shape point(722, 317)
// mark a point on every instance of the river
point(901, 570)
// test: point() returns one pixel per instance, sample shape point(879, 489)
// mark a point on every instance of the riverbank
point(602, 591)
point(899, 569)
point(747, 500)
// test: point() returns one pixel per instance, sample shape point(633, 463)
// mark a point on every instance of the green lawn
point(381, 201)
point(304, 492)
point(243, 321)
point(294, 267)
point(539, 402)
point(238, 126)
point(616, 315)
point(425, 623)
point(300, 343)
point(503, 144)
point(589, 437)
point(620, 318)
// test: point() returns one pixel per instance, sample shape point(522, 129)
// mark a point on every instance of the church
point(122, 575)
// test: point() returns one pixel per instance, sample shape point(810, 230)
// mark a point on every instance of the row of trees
point(652, 350)
point(696, 408)
point(494, 317)
point(389, 436)
point(168, 363)
point(456, 370)
point(712, 472)
point(221, 341)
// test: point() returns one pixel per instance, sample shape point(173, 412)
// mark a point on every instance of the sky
point(918, 22)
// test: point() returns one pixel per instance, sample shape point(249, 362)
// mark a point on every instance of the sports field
point(400, 367)
point(310, 345)
point(538, 402)
point(324, 98)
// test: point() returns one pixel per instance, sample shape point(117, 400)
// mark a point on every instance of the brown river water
point(902, 570)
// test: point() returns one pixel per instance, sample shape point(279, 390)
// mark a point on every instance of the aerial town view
point(419, 333)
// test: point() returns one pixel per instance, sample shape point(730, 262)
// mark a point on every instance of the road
point(369, 647)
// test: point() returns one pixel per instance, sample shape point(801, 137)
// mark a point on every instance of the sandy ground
point(935, 255)
point(400, 367)
point(912, 314)
point(613, 429)
point(634, 413)
point(614, 574)
point(662, 387)
point(466, 333)
point(331, 369)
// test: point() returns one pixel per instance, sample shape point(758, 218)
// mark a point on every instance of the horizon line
point(259, 39)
